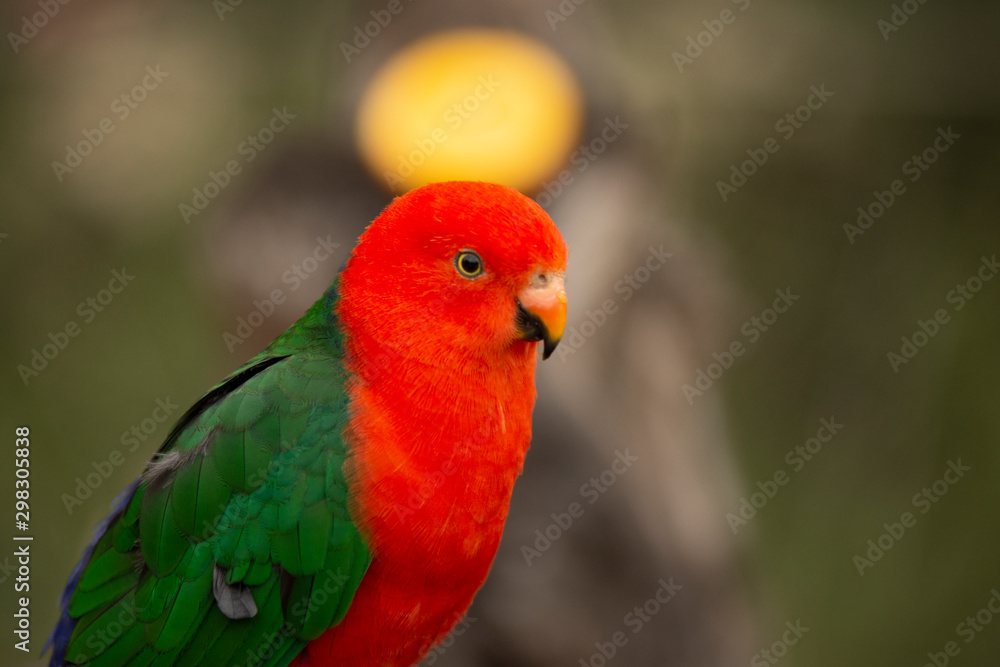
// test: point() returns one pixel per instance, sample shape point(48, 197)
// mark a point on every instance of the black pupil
point(469, 263)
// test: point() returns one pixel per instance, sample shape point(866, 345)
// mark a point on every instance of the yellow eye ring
point(469, 264)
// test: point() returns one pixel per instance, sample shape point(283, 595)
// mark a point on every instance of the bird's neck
point(445, 405)
point(435, 444)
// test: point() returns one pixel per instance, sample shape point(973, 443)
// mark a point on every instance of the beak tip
point(541, 314)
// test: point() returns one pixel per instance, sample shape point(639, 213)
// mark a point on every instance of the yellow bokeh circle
point(480, 104)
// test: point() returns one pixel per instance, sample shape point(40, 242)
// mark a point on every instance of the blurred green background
point(160, 338)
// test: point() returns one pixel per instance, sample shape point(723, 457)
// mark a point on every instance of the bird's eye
point(469, 264)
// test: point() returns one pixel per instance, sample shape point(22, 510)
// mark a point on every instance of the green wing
point(236, 546)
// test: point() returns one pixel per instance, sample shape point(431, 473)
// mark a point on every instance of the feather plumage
point(339, 499)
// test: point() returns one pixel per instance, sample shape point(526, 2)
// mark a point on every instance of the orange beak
point(541, 312)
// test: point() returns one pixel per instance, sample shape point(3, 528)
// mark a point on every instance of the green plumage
point(247, 493)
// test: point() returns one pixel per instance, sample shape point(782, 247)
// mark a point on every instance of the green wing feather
point(237, 546)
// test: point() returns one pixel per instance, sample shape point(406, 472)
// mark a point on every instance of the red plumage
point(441, 401)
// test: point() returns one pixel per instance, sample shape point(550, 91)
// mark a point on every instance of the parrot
point(339, 499)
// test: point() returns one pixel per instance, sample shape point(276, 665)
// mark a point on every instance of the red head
point(457, 274)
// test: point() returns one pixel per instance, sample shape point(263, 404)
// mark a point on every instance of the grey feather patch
point(234, 600)
point(163, 466)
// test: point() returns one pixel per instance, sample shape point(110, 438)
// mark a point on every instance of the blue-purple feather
point(59, 639)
